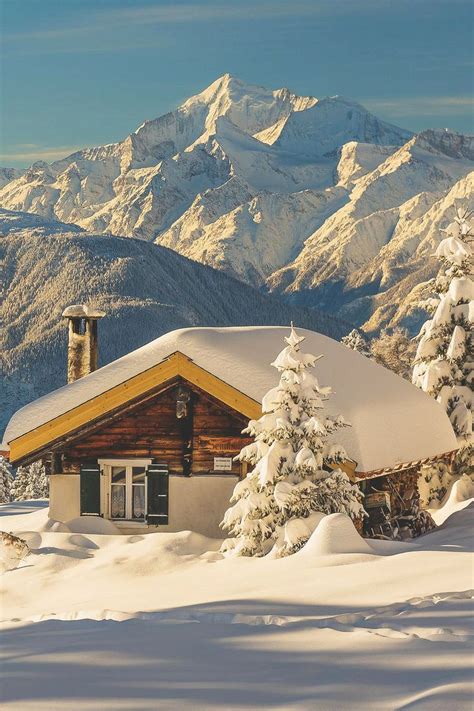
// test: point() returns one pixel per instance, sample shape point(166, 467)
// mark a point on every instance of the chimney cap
point(82, 311)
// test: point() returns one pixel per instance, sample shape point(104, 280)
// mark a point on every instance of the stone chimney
point(82, 347)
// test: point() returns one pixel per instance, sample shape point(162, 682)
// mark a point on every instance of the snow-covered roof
point(393, 422)
point(82, 311)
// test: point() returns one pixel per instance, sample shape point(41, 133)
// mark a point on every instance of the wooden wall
point(216, 433)
point(151, 429)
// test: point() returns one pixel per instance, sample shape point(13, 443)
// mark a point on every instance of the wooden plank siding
point(216, 433)
point(152, 430)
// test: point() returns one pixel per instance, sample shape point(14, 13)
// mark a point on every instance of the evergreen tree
point(6, 480)
point(394, 350)
point(433, 484)
point(30, 482)
point(444, 363)
point(357, 342)
point(292, 476)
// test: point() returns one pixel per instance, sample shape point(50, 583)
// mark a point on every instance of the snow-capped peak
point(330, 123)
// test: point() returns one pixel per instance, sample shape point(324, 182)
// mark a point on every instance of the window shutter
point(157, 494)
point(90, 489)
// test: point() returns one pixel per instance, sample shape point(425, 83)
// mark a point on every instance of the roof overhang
point(175, 365)
point(401, 467)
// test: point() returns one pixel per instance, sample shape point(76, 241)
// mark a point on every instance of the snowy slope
point(378, 237)
point(9, 174)
point(145, 289)
point(305, 193)
point(161, 621)
point(250, 237)
point(307, 132)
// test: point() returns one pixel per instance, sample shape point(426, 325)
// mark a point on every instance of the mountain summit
point(302, 194)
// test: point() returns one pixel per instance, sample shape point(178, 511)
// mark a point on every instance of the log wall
point(152, 430)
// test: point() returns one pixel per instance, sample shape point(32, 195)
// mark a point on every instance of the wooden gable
point(150, 429)
point(124, 396)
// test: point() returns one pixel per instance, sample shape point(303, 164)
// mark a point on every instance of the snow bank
point(92, 524)
point(149, 602)
point(335, 534)
point(460, 496)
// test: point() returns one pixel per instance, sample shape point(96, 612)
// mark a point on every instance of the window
point(127, 499)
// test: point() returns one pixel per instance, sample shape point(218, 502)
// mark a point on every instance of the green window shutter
point(157, 494)
point(90, 489)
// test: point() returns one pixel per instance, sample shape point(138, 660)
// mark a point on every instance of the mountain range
point(316, 200)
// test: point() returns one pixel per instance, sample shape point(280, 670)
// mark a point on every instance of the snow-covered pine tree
point(30, 482)
point(434, 483)
point(357, 342)
point(444, 362)
point(6, 480)
point(394, 350)
point(293, 474)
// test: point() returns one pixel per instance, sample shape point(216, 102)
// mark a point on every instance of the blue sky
point(87, 72)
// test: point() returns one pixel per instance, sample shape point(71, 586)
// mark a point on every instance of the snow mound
point(45, 524)
point(461, 495)
point(335, 534)
point(462, 491)
point(91, 524)
point(56, 526)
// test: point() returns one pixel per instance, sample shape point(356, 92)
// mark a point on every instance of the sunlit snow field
point(163, 622)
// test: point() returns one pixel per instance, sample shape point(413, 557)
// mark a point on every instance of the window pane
point(118, 475)
point(117, 505)
point(138, 475)
point(138, 502)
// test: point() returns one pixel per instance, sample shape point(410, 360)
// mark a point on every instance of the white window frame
point(106, 468)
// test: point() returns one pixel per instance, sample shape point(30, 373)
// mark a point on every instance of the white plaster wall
point(198, 503)
point(64, 496)
point(195, 503)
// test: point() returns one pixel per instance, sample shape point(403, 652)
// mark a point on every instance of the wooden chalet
point(149, 440)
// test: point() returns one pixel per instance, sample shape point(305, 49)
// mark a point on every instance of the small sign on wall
point(223, 464)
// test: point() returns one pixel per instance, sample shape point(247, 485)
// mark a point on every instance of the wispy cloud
point(109, 28)
point(113, 19)
point(124, 18)
point(206, 12)
point(31, 152)
point(422, 105)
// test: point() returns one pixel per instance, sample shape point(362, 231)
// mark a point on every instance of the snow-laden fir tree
point(434, 483)
point(444, 362)
point(30, 482)
point(6, 480)
point(394, 349)
point(292, 475)
point(357, 342)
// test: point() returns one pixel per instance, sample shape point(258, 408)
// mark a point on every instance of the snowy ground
point(161, 622)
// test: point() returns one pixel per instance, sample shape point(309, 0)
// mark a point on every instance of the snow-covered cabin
point(149, 439)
